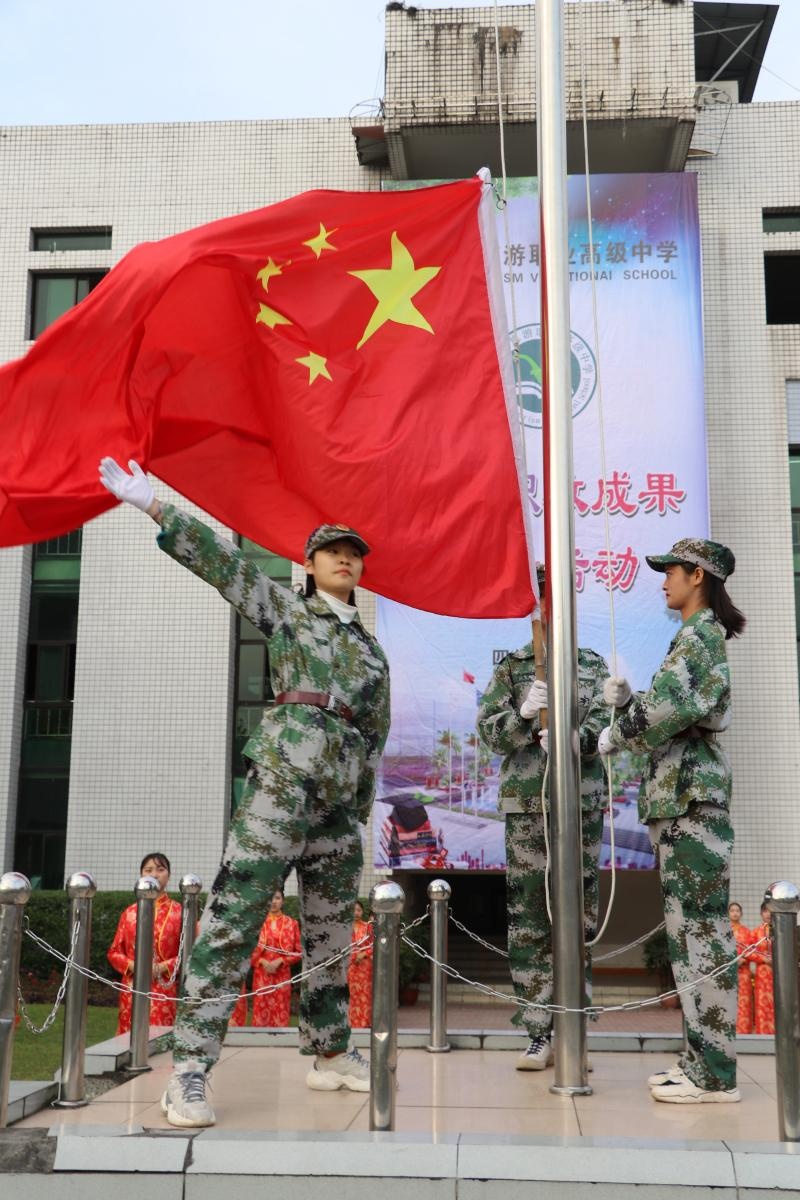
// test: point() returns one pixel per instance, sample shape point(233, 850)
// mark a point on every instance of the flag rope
point(602, 440)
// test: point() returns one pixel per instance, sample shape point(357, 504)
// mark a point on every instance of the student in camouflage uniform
point(685, 800)
point(311, 781)
point(508, 722)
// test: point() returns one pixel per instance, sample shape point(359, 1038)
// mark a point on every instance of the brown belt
point(319, 700)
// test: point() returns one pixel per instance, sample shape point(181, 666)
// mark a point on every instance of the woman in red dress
point(744, 938)
point(359, 972)
point(762, 957)
point(277, 950)
point(166, 940)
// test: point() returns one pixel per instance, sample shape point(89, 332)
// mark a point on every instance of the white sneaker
point(537, 1055)
point(662, 1076)
point(348, 1070)
point(679, 1089)
point(184, 1102)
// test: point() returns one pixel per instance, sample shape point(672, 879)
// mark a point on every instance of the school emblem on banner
point(584, 372)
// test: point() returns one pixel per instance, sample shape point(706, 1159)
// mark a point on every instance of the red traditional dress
point(279, 941)
point(359, 978)
point(166, 940)
point(764, 1004)
point(744, 1014)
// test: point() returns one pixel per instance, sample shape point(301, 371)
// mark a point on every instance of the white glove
point(616, 691)
point(535, 700)
point(604, 744)
point(134, 488)
point(544, 740)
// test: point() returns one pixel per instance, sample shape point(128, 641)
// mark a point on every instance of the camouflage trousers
point(284, 819)
point(693, 853)
point(530, 942)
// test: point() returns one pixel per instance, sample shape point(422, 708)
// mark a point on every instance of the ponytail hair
point(725, 611)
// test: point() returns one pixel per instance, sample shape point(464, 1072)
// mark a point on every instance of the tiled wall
point(747, 364)
point(441, 63)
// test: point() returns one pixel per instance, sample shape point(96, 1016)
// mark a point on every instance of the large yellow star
point(317, 365)
point(320, 242)
point(266, 273)
point(268, 316)
point(394, 289)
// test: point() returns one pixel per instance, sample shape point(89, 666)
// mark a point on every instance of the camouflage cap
point(323, 535)
point(713, 557)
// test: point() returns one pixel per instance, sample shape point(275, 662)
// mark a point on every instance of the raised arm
point(213, 558)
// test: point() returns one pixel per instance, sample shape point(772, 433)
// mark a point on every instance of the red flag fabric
point(334, 357)
point(467, 677)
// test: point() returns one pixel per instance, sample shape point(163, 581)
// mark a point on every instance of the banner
point(437, 797)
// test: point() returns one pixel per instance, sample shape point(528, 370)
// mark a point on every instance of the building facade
point(126, 684)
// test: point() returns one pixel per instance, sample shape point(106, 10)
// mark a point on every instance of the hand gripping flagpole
point(562, 651)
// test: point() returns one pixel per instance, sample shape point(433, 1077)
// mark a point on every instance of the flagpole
point(562, 650)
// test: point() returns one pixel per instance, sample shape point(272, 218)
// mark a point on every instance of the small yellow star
point(320, 242)
point(394, 289)
point(272, 268)
point(268, 316)
point(317, 365)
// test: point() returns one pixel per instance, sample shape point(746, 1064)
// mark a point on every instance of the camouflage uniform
point(507, 733)
point(685, 800)
point(310, 783)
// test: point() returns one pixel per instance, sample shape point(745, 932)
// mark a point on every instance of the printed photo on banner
point(437, 795)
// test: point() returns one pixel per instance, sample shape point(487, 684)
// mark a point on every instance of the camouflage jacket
point(310, 650)
point(505, 732)
point(691, 688)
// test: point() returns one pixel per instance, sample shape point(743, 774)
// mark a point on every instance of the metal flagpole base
point(69, 1104)
point(572, 1091)
point(136, 1070)
point(438, 1049)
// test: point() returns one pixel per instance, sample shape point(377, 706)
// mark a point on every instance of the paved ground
point(465, 1091)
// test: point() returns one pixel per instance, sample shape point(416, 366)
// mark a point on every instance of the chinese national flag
point(467, 677)
point(335, 357)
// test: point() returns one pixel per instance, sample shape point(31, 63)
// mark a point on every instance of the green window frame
point(55, 292)
point(96, 237)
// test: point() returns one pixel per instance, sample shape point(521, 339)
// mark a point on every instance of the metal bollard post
point(72, 1093)
point(15, 889)
point(189, 887)
point(146, 893)
point(783, 901)
point(386, 900)
point(439, 892)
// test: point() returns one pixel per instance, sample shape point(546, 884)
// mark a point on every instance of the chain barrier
point(591, 1010)
point(69, 964)
point(266, 990)
point(173, 975)
point(596, 958)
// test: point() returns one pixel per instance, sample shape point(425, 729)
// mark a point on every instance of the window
point(782, 288)
point(54, 293)
point(794, 491)
point(781, 220)
point(71, 239)
point(47, 710)
point(253, 689)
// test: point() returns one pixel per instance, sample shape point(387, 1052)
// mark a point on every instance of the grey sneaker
point(537, 1055)
point(679, 1089)
point(348, 1070)
point(184, 1102)
point(662, 1076)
